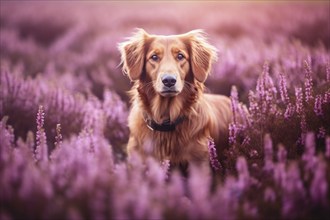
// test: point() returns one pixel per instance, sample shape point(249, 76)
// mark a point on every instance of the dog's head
point(166, 61)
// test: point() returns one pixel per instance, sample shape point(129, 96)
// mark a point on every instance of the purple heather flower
point(213, 155)
point(244, 115)
point(328, 71)
point(253, 153)
point(234, 103)
point(268, 153)
point(165, 165)
point(309, 154)
point(283, 89)
point(321, 133)
point(299, 100)
point(281, 154)
point(41, 151)
point(289, 111)
point(58, 142)
point(233, 130)
point(293, 190)
point(319, 186)
point(318, 105)
point(261, 82)
point(308, 82)
point(326, 98)
point(58, 137)
point(269, 195)
point(327, 147)
point(246, 141)
point(243, 172)
point(303, 124)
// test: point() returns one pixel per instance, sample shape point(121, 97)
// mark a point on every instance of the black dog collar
point(166, 126)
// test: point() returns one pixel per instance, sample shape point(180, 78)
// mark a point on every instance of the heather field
point(64, 108)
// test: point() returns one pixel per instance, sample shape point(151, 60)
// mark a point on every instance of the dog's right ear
point(132, 54)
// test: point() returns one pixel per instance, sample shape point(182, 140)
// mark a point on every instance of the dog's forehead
point(167, 41)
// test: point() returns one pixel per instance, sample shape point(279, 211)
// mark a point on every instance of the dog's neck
point(161, 109)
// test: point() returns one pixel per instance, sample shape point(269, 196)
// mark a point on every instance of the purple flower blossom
point(268, 153)
point(166, 167)
point(261, 82)
point(213, 155)
point(328, 71)
point(243, 172)
point(283, 89)
point(299, 100)
point(41, 152)
point(293, 191)
point(326, 98)
point(289, 111)
point(269, 195)
point(254, 107)
point(327, 147)
point(308, 82)
point(309, 154)
point(321, 133)
point(58, 137)
point(234, 103)
point(319, 185)
point(281, 154)
point(233, 130)
point(318, 105)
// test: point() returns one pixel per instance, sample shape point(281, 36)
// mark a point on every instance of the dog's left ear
point(132, 54)
point(203, 54)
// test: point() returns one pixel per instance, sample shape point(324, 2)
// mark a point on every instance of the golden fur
point(146, 59)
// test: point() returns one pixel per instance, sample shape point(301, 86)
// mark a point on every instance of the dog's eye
point(180, 56)
point(154, 57)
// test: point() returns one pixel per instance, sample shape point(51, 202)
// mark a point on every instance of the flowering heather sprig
point(309, 154)
point(308, 82)
point(289, 111)
point(300, 110)
point(244, 115)
point(41, 151)
point(303, 126)
point(268, 153)
point(243, 172)
point(328, 71)
point(292, 190)
point(266, 90)
point(281, 154)
point(57, 143)
point(318, 105)
point(213, 154)
point(270, 93)
point(246, 141)
point(283, 89)
point(299, 100)
point(166, 165)
point(261, 82)
point(319, 186)
point(58, 137)
point(326, 98)
point(234, 103)
point(327, 147)
point(254, 107)
point(233, 130)
point(321, 133)
point(269, 195)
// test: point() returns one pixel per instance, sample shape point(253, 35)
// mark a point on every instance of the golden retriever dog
point(171, 118)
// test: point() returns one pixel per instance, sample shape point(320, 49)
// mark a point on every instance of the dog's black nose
point(168, 80)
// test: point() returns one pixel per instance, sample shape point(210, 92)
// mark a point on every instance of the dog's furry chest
point(178, 146)
point(169, 145)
